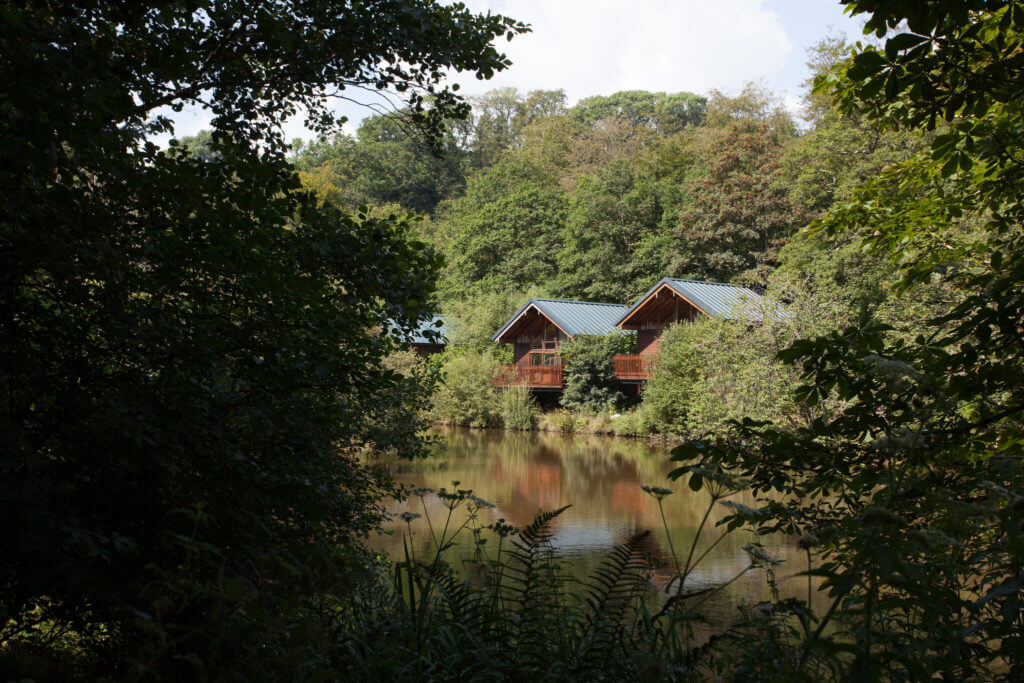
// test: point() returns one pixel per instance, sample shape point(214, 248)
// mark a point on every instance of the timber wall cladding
point(647, 340)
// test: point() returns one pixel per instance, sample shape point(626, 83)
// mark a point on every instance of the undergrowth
point(516, 612)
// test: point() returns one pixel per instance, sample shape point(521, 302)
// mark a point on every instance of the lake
point(521, 473)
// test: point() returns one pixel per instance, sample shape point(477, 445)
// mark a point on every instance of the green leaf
point(902, 42)
point(951, 165)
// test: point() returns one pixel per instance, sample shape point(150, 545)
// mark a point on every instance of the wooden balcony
point(632, 368)
point(533, 376)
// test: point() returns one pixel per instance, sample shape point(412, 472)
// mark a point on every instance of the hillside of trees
point(597, 201)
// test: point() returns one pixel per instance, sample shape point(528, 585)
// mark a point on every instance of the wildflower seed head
point(746, 510)
point(480, 502)
point(409, 516)
point(502, 528)
point(807, 541)
point(658, 492)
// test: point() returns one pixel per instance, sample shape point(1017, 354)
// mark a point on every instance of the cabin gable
point(659, 309)
point(674, 300)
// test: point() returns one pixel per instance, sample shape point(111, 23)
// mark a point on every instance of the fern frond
point(610, 593)
point(458, 599)
point(532, 593)
point(539, 531)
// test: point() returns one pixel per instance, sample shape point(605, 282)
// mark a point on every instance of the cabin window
point(544, 352)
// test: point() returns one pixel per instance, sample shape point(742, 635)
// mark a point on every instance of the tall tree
point(504, 234)
point(190, 346)
point(662, 112)
point(611, 213)
point(500, 116)
point(388, 162)
point(752, 109)
point(737, 217)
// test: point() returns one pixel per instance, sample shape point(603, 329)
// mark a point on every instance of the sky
point(599, 47)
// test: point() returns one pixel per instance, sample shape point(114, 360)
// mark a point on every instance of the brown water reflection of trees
point(523, 472)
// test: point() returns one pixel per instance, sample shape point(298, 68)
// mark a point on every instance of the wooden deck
point(632, 368)
point(533, 376)
point(627, 369)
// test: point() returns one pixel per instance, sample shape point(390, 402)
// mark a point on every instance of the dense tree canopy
point(737, 217)
point(504, 233)
point(612, 212)
point(192, 347)
point(665, 113)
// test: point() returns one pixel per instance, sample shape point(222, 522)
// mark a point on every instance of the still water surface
point(524, 472)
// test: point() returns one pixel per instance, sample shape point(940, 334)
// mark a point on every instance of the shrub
point(712, 371)
point(558, 421)
point(596, 424)
point(632, 423)
point(518, 408)
point(466, 395)
point(590, 385)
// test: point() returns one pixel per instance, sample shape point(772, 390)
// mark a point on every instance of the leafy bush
point(466, 395)
point(590, 385)
point(518, 408)
point(710, 372)
point(631, 423)
point(563, 421)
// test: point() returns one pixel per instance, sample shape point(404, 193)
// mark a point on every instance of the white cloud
point(598, 47)
point(794, 105)
point(591, 47)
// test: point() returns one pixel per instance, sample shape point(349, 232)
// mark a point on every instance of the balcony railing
point(627, 368)
point(539, 376)
point(632, 367)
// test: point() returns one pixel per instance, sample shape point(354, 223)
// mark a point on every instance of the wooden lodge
point(430, 338)
point(537, 329)
point(673, 300)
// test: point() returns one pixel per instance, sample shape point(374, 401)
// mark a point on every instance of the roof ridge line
point(707, 282)
point(571, 301)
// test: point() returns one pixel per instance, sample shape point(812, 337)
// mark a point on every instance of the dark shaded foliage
point(914, 488)
point(191, 347)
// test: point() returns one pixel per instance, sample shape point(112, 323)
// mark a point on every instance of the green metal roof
point(717, 299)
point(434, 324)
point(437, 325)
point(573, 317)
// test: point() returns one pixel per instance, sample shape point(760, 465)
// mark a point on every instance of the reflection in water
point(522, 473)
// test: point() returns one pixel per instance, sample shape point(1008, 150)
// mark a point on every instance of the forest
point(529, 197)
point(206, 362)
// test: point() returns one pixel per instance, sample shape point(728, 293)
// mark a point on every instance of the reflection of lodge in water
point(522, 473)
point(537, 330)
